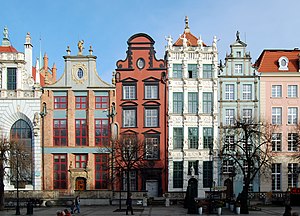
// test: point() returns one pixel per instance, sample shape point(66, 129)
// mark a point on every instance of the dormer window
point(238, 54)
point(283, 63)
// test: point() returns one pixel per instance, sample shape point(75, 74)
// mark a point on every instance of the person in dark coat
point(287, 211)
point(77, 204)
point(129, 205)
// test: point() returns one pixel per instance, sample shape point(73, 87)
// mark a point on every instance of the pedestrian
point(77, 204)
point(129, 205)
point(72, 206)
point(287, 211)
point(67, 213)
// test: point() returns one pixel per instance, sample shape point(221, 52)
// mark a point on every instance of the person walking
point(287, 211)
point(77, 204)
point(129, 205)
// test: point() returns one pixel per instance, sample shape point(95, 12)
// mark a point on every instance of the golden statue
point(80, 47)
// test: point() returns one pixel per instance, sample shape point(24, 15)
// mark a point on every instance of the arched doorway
point(229, 188)
point(21, 133)
point(193, 183)
point(80, 184)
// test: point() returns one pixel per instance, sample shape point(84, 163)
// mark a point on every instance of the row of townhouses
point(178, 107)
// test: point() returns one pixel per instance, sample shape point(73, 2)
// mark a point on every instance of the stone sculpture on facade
point(169, 40)
point(80, 47)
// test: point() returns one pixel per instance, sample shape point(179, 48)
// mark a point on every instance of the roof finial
point(238, 36)
point(5, 41)
point(187, 28)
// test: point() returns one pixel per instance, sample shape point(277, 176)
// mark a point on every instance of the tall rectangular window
point(292, 175)
point(230, 142)
point(292, 142)
point(151, 91)
point(11, 78)
point(133, 181)
point(207, 102)
point(276, 115)
point(101, 132)
point(178, 102)
point(177, 174)
point(80, 132)
point(101, 171)
point(229, 116)
point(247, 115)
point(177, 138)
point(60, 171)
point(229, 91)
point(193, 102)
point(81, 102)
point(152, 147)
point(207, 137)
point(276, 91)
point(292, 91)
point(60, 132)
point(247, 92)
point(60, 102)
point(207, 71)
point(227, 166)
point(193, 137)
point(101, 102)
point(292, 115)
point(238, 68)
point(195, 165)
point(151, 117)
point(177, 70)
point(129, 117)
point(192, 70)
point(276, 141)
point(276, 177)
point(129, 91)
point(207, 174)
point(81, 160)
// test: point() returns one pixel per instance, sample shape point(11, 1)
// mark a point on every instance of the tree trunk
point(1, 190)
point(128, 183)
point(244, 201)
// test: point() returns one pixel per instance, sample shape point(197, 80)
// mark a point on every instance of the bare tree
point(247, 145)
point(15, 164)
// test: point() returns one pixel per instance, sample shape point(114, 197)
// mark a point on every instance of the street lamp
point(43, 114)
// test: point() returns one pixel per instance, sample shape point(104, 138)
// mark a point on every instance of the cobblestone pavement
point(174, 210)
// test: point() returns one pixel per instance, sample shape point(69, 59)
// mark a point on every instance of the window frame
point(152, 149)
point(207, 71)
point(193, 137)
point(177, 138)
point(153, 95)
point(177, 71)
point(207, 102)
point(208, 137)
point(101, 102)
point(58, 131)
point(193, 102)
point(207, 174)
point(81, 161)
point(247, 115)
point(129, 91)
point(126, 122)
point(178, 104)
point(292, 142)
point(292, 91)
point(192, 71)
point(247, 92)
point(229, 91)
point(276, 115)
point(238, 68)
point(229, 119)
point(60, 102)
point(60, 175)
point(276, 91)
point(276, 142)
point(81, 132)
point(276, 177)
point(292, 115)
point(100, 127)
point(11, 78)
point(80, 102)
point(151, 119)
point(101, 171)
point(177, 174)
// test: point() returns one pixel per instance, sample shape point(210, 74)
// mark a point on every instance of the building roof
point(268, 60)
point(7, 49)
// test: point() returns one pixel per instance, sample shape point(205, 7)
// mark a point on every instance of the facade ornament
point(68, 50)
point(91, 50)
point(200, 43)
point(5, 33)
point(238, 36)
point(192, 169)
point(214, 44)
point(187, 28)
point(184, 41)
point(36, 119)
point(80, 47)
point(169, 40)
point(113, 80)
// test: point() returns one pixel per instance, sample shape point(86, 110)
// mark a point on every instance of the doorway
point(152, 188)
point(193, 183)
point(80, 184)
point(229, 188)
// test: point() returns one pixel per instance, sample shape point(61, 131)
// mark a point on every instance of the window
point(229, 92)
point(292, 115)
point(276, 141)
point(101, 171)
point(177, 174)
point(192, 70)
point(207, 71)
point(207, 137)
point(177, 138)
point(193, 137)
point(151, 91)
point(129, 91)
point(238, 68)
point(238, 54)
point(193, 164)
point(60, 132)
point(292, 142)
point(276, 180)
point(229, 141)
point(81, 161)
point(247, 92)
point(193, 102)
point(60, 171)
point(80, 132)
point(207, 102)
point(129, 117)
point(247, 115)
point(151, 117)
point(132, 180)
point(292, 91)
point(229, 116)
point(101, 102)
point(101, 132)
point(276, 115)
point(130, 148)
point(81, 102)
point(207, 174)
point(178, 102)
point(11, 78)
point(152, 147)
point(293, 174)
point(276, 91)
point(177, 70)
point(60, 102)
point(227, 166)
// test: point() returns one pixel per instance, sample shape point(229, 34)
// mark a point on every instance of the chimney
point(45, 62)
point(28, 54)
point(54, 73)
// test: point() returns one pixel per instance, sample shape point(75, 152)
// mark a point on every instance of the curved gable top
point(140, 38)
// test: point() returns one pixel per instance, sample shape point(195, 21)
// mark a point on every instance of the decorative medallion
point(140, 63)
point(79, 73)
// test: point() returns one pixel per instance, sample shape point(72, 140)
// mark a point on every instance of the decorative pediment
point(129, 103)
point(151, 79)
point(151, 103)
point(151, 131)
point(129, 79)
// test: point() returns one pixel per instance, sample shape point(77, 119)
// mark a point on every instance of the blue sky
point(107, 25)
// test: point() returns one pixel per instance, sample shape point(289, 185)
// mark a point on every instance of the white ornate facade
point(192, 113)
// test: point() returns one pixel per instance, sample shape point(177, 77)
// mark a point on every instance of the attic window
point(238, 54)
point(283, 63)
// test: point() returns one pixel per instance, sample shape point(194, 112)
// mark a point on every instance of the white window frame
point(229, 116)
point(229, 91)
point(276, 115)
point(276, 177)
point(151, 91)
point(238, 68)
point(152, 148)
point(292, 142)
point(292, 91)
point(292, 115)
point(247, 92)
point(276, 91)
point(276, 141)
point(247, 115)
point(151, 117)
point(129, 117)
point(129, 92)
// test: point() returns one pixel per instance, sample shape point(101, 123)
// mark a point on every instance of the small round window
point(80, 73)
point(140, 63)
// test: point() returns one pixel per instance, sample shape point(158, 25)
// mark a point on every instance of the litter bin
point(29, 208)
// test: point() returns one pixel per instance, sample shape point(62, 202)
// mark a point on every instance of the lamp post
point(43, 114)
point(17, 181)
